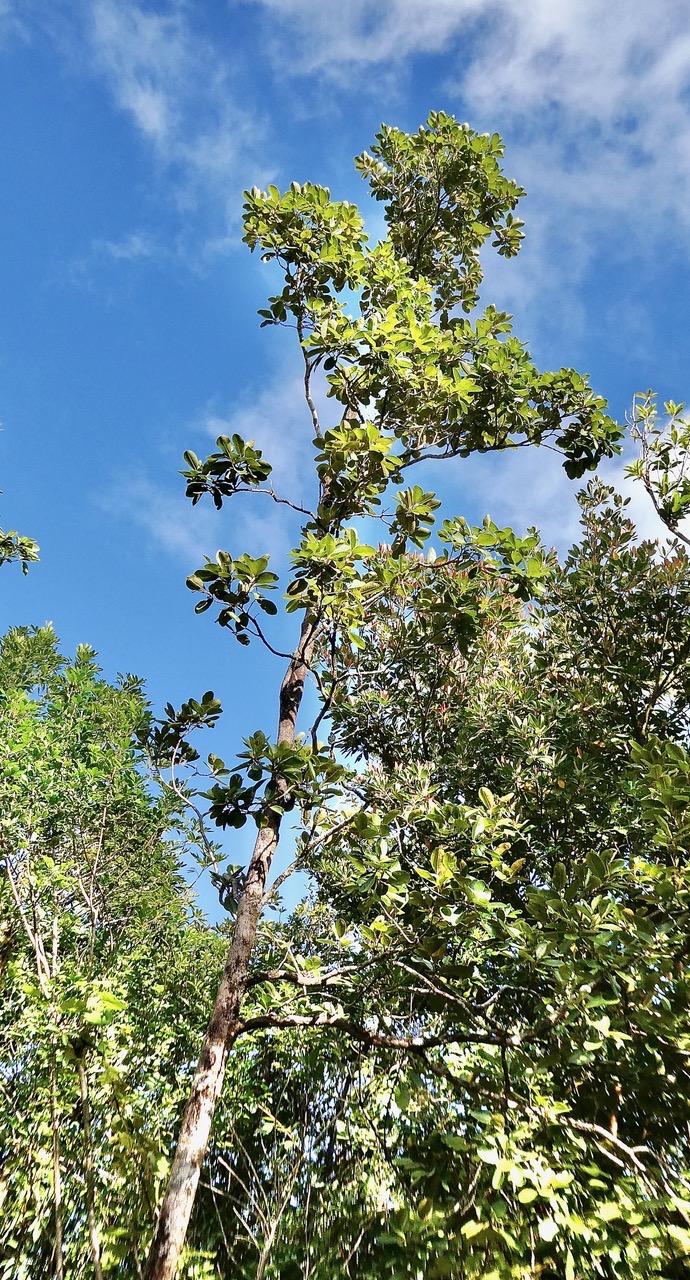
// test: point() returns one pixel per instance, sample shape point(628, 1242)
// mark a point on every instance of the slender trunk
point(57, 1179)
point(90, 1186)
point(175, 1212)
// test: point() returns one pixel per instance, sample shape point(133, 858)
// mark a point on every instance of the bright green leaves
point(236, 585)
point(663, 463)
point(327, 576)
point(517, 877)
point(14, 546)
point(522, 562)
point(166, 739)
point(568, 411)
point(665, 775)
point(435, 380)
point(318, 242)
point(355, 464)
point(509, 887)
point(272, 778)
point(237, 465)
point(445, 196)
point(92, 1004)
point(414, 516)
point(101, 960)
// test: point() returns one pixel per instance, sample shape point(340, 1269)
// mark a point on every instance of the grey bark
point(57, 1179)
point(94, 1240)
point(178, 1201)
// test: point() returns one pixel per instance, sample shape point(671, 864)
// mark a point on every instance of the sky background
point(128, 327)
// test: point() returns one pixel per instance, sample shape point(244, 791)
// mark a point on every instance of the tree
point(414, 379)
point(517, 868)
point(465, 1054)
point(100, 956)
point(492, 979)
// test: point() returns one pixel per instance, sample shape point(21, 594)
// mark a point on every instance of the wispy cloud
point(335, 39)
point(165, 517)
point(85, 270)
point(527, 487)
point(176, 87)
point(598, 96)
point(136, 245)
point(11, 25)
point(593, 97)
point(278, 421)
point(187, 101)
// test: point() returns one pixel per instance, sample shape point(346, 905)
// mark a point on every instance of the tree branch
point(407, 1044)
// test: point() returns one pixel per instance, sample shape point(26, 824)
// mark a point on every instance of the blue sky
point(127, 304)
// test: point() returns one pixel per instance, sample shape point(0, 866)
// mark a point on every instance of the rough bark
point(176, 1208)
point(57, 1179)
point(94, 1241)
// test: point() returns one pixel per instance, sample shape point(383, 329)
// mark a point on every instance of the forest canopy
point(465, 1053)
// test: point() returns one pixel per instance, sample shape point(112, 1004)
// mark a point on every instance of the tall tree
point(491, 986)
point(414, 378)
point(100, 957)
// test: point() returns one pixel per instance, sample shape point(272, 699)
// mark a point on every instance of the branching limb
point(407, 1044)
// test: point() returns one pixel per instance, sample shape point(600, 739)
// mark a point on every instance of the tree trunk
point(175, 1212)
point(88, 1159)
point(57, 1178)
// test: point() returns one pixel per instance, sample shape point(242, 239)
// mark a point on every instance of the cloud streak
point(184, 99)
point(278, 421)
point(165, 517)
point(335, 39)
point(593, 97)
point(11, 25)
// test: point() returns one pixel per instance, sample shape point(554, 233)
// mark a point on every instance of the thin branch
point(94, 1240)
point(279, 880)
point(286, 502)
point(309, 367)
point(443, 994)
point(303, 979)
point(186, 800)
point(260, 635)
point(57, 1178)
point(607, 1136)
point(408, 1044)
point(42, 966)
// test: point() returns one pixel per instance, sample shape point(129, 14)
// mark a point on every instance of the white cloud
point(86, 270)
point(179, 92)
point(11, 25)
point(278, 421)
point(336, 38)
point(138, 244)
point(600, 94)
point(593, 97)
point(167, 517)
point(520, 488)
point(526, 487)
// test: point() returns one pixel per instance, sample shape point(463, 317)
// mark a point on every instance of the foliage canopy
point(465, 1054)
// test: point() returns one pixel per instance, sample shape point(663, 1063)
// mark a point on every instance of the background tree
point(102, 961)
point(491, 980)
